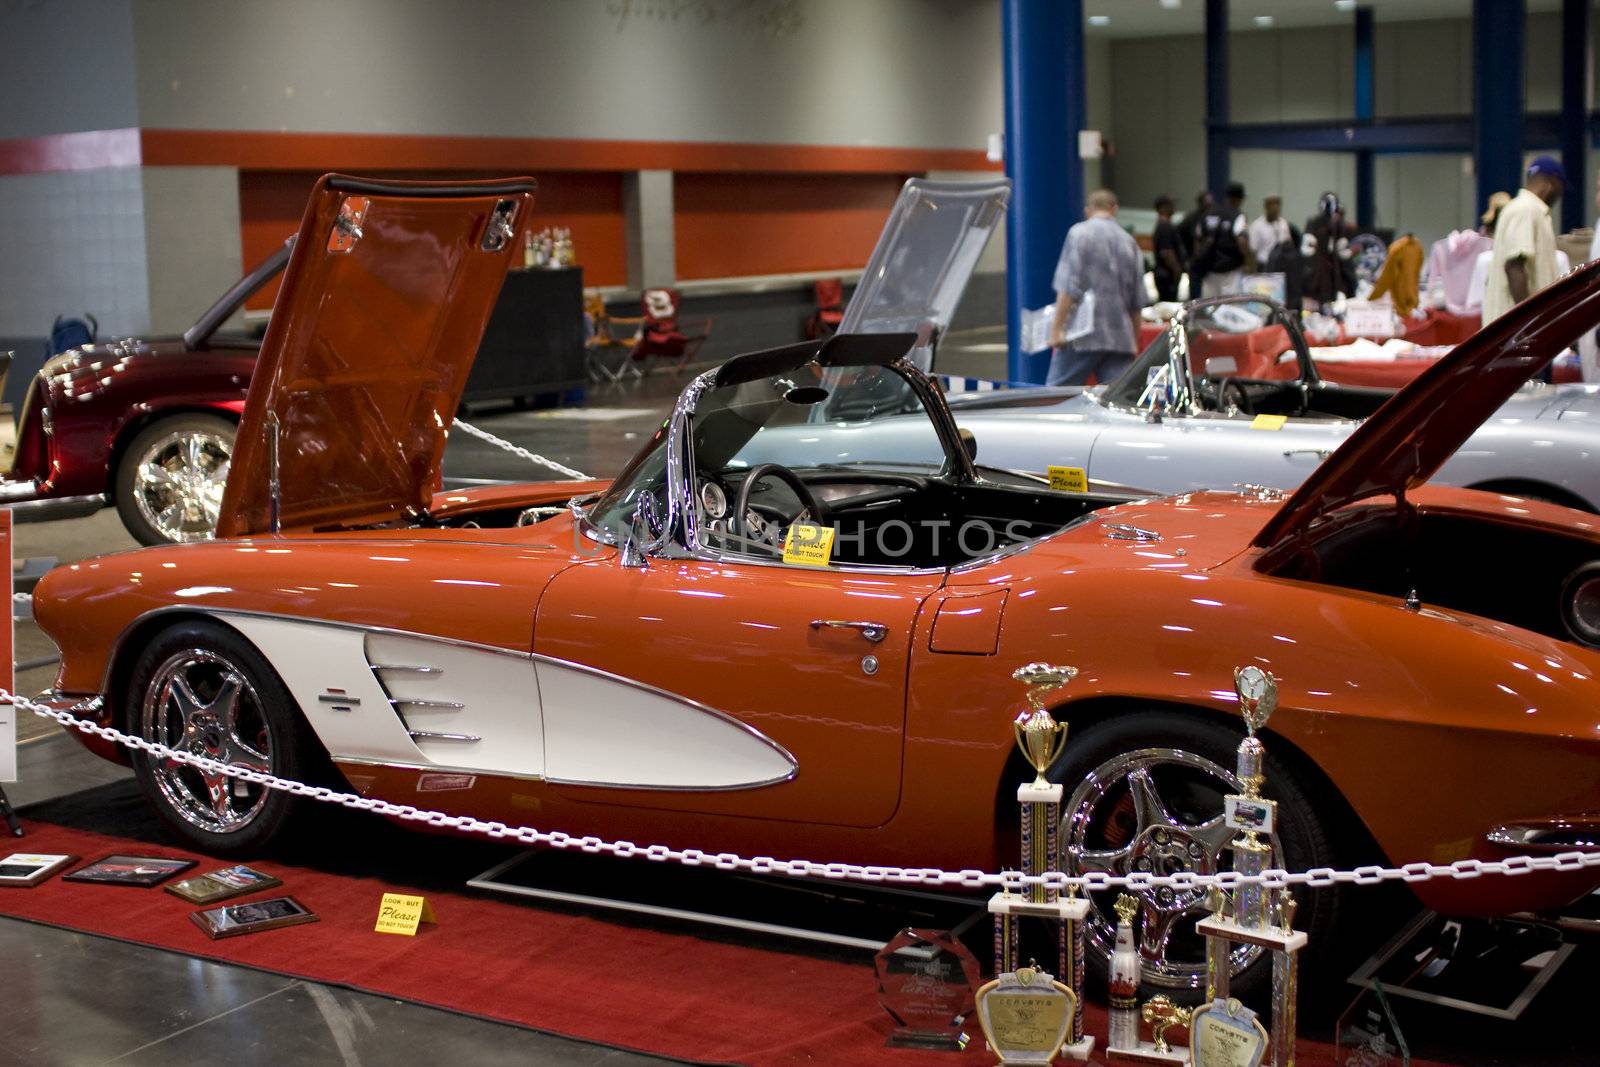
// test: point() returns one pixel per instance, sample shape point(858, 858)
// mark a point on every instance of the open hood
point(384, 301)
point(1421, 426)
point(924, 258)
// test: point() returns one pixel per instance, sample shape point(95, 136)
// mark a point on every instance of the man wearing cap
point(1524, 258)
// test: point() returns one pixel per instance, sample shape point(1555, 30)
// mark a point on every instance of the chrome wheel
point(1157, 811)
point(197, 702)
point(178, 480)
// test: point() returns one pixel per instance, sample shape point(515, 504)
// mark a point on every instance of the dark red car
point(145, 425)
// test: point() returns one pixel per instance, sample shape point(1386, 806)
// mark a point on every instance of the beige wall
point(1422, 69)
point(911, 73)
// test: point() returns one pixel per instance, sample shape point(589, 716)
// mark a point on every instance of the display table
point(533, 344)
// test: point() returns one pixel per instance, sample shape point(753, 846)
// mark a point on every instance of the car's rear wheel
point(202, 689)
point(1144, 793)
point(169, 482)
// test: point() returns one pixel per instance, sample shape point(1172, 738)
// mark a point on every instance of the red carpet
point(630, 986)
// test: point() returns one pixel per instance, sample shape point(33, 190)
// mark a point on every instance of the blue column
point(1366, 108)
point(1497, 41)
point(1575, 75)
point(1218, 167)
point(1044, 86)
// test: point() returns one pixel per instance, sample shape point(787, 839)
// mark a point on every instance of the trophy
point(926, 980)
point(1225, 1033)
point(1026, 1015)
point(1122, 989)
point(1041, 738)
point(1253, 914)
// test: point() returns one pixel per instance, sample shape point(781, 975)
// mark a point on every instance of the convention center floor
point(75, 998)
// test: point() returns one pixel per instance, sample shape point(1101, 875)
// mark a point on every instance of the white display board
point(8, 659)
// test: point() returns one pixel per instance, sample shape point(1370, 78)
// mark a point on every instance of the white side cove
point(601, 729)
point(409, 700)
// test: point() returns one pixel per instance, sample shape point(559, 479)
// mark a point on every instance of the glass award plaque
point(1225, 1033)
point(926, 980)
point(1026, 1015)
point(1368, 1034)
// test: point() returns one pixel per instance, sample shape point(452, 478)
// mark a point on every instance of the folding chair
point(830, 309)
point(607, 358)
point(661, 339)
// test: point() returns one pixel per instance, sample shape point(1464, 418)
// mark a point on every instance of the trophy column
point(1041, 738)
point(1255, 915)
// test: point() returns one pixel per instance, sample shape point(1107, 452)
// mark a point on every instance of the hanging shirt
point(1402, 268)
point(1217, 248)
point(1450, 265)
point(1265, 236)
point(1524, 232)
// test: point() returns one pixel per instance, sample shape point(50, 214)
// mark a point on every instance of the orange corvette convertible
point(641, 660)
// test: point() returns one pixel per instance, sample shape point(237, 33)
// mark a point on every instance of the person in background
point(1170, 253)
point(1270, 230)
point(1480, 267)
point(1589, 344)
point(1189, 231)
point(1099, 286)
point(1524, 257)
point(1326, 248)
point(1222, 252)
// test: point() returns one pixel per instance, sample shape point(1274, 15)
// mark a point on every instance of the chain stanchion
point(1093, 882)
point(523, 453)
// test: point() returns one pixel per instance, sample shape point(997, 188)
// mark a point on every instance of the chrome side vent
point(434, 735)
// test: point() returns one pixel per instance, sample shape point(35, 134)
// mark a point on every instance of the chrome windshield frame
point(680, 527)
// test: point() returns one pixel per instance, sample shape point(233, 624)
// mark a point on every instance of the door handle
point(872, 631)
point(1320, 453)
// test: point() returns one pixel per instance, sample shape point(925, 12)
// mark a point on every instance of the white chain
point(1013, 881)
point(518, 450)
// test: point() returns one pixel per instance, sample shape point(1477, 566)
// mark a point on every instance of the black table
point(533, 345)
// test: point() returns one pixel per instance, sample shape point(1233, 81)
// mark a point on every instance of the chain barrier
point(518, 450)
point(1013, 881)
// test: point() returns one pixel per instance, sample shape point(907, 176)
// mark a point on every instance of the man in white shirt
point(1269, 231)
point(1524, 256)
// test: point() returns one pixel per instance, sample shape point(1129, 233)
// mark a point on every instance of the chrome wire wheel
point(178, 478)
point(1155, 811)
point(199, 703)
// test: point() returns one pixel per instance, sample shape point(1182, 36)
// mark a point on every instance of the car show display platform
point(652, 985)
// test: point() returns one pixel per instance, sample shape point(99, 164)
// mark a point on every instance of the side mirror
point(968, 442)
point(644, 533)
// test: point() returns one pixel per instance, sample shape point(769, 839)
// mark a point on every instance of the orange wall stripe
point(356, 151)
point(90, 150)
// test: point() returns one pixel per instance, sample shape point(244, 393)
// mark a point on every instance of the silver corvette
point(1228, 396)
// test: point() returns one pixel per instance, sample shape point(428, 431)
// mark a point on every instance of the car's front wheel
point(1144, 792)
point(169, 481)
point(200, 688)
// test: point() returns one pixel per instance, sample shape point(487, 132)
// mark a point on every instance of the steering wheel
point(1231, 396)
point(808, 501)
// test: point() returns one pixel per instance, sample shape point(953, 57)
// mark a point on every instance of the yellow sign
point(808, 546)
point(1068, 479)
point(401, 914)
point(1268, 422)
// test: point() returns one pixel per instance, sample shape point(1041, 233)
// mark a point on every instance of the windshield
point(816, 417)
point(1230, 339)
point(817, 421)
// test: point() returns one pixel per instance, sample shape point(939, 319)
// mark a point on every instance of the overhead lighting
point(1345, 5)
point(1099, 20)
point(1263, 21)
point(1172, 5)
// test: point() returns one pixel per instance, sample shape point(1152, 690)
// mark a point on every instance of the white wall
point(919, 73)
point(74, 242)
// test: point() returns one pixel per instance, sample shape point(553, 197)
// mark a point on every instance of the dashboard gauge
point(1580, 604)
point(713, 500)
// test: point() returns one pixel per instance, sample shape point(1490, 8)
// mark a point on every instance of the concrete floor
point(76, 999)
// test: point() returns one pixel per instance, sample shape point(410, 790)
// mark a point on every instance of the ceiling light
point(1263, 21)
point(1345, 5)
point(1172, 5)
point(1099, 20)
